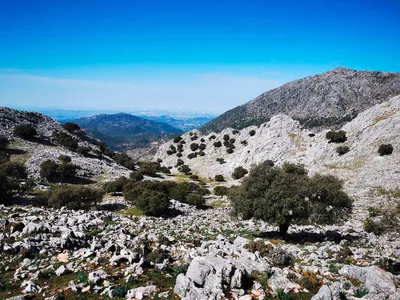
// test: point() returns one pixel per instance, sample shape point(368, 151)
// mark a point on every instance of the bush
point(179, 154)
point(385, 149)
point(72, 196)
point(177, 139)
point(221, 160)
point(179, 162)
point(202, 140)
point(3, 142)
point(202, 146)
point(244, 143)
point(13, 169)
point(221, 190)
point(235, 131)
point(239, 172)
point(64, 159)
point(196, 200)
point(212, 137)
point(83, 150)
point(71, 127)
point(218, 144)
point(229, 150)
point(54, 172)
point(341, 150)
point(5, 190)
point(185, 169)
point(285, 195)
point(65, 140)
point(194, 177)
point(226, 137)
point(25, 131)
point(252, 132)
point(336, 136)
point(192, 155)
point(132, 190)
point(149, 168)
point(153, 203)
point(136, 176)
point(219, 178)
point(202, 153)
point(169, 152)
point(194, 146)
point(115, 186)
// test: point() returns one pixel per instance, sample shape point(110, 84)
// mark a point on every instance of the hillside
point(328, 99)
point(124, 131)
point(42, 147)
point(283, 139)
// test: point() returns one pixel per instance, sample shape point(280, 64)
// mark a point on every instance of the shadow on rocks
point(303, 236)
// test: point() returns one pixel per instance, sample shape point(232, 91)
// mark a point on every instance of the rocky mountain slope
point(125, 131)
point(284, 139)
point(327, 99)
point(34, 152)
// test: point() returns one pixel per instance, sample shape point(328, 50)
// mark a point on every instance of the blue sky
point(182, 55)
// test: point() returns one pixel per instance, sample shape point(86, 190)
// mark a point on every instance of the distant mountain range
point(325, 100)
point(183, 123)
point(124, 131)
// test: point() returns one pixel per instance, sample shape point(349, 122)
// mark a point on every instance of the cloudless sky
point(183, 55)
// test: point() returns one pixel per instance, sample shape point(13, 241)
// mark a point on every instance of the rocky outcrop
point(284, 139)
point(328, 99)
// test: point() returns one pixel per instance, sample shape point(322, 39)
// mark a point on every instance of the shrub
point(173, 148)
point(194, 146)
point(195, 137)
point(179, 154)
point(202, 153)
point(180, 148)
point(258, 246)
point(221, 190)
point(239, 172)
point(229, 150)
point(13, 169)
point(3, 142)
point(202, 146)
point(73, 197)
point(196, 200)
point(221, 160)
point(136, 176)
point(232, 141)
point(185, 169)
point(169, 152)
point(192, 155)
point(385, 149)
point(202, 140)
point(177, 139)
point(5, 190)
point(194, 177)
point(252, 132)
point(157, 256)
point(25, 131)
point(149, 168)
point(235, 131)
point(54, 172)
point(280, 257)
point(153, 203)
point(65, 140)
point(341, 150)
point(219, 178)
point(285, 195)
point(120, 291)
point(180, 162)
point(226, 137)
point(218, 144)
point(71, 127)
point(336, 136)
point(165, 170)
point(244, 143)
point(115, 186)
point(212, 137)
point(83, 150)
point(64, 159)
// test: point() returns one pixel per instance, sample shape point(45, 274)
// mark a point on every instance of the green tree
point(239, 172)
point(153, 203)
point(285, 195)
point(115, 186)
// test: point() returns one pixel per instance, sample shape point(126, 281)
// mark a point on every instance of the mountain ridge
point(324, 100)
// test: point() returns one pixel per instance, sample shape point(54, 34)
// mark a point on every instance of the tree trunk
point(283, 228)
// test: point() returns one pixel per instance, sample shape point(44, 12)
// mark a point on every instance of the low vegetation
point(239, 172)
point(25, 131)
point(385, 149)
point(336, 136)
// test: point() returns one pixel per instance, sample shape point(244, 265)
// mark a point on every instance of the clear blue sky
point(191, 55)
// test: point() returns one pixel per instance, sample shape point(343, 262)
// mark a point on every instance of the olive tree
point(285, 195)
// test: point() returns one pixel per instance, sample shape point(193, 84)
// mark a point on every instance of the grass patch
point(133, 211)
point(219, 204)
point(395, 193)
